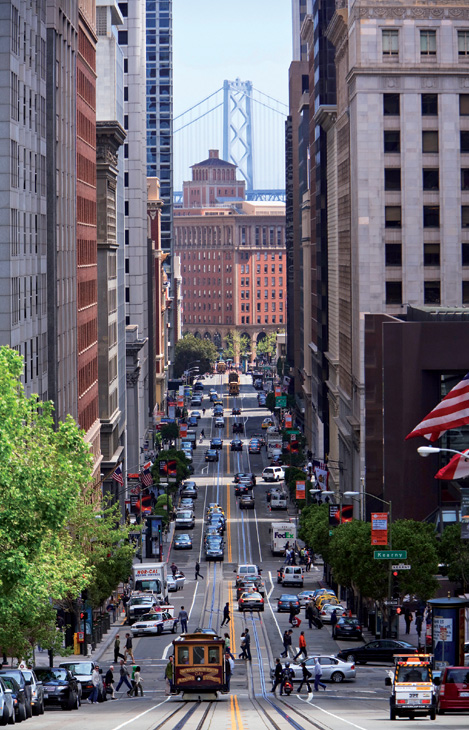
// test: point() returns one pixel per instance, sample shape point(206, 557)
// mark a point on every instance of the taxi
point(267, 422)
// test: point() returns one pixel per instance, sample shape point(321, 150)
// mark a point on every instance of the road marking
point(331, 714)
point(271, 609)
point(238, 714)
point(165, 653)
point(142, 714)
point(272, 584)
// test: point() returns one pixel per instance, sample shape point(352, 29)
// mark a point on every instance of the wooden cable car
point(199, 665)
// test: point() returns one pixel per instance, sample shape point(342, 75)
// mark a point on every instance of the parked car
point(60, 687)
point(183, 542)
point(326, 611)
point(454, 690)
point(236, 445)
point(347, 628)
point(247, 501)
point(251, 601)
point(216, 443)
point(211, 455)
point(19, 677)
point(7, 705)
point(333, 669)
point(37, 691)
point(381, 650)
point(82, 671)
point(18, 697)
point(286, 601)
point(189, 489)
point(273, 474)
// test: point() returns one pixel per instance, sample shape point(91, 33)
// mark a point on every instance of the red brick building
point(232, 256)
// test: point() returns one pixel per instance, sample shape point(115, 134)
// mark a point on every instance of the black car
point(214, 548)
point(211, 455)
point(216, 443)
point(189, 490)
point(19, 698)
point(242, 489)
point(218, 522)
point(381, 650)
point(19, 677)
point(348, 628)
point(236, 411)
point(247, 502)
point(236, 445)
point(238, 428)
point(60, 687)
point(242, 475)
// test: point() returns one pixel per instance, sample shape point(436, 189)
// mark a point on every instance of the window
point(394, 292)
point(465, 292)
point(430, 141)
point(463, 43)
point(392, 178)
point(464, 139)
point(391, 105)
point(431, 292)
point(465, 254)
point(431, 216)
point(428, 42)
point(393, 254)
point(465, 178)
point(431, 254)
point(429, 105)
point(122, 37)
point(392, 141)
point(392, 216)
point(430, 178)
point(465, 216)
point(390, 39)
point(464, 105)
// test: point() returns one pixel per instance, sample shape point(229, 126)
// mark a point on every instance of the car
point(137, 605)
point(212, 530)
point(219, 422)
point(273, 491)
point(196, 414)
point(246, 570)
point(82, 671)
point(286, 601)
point(196, 402)
point(189, 489)
point(261, 402)
point(214, 507)
point(251, 601)
point(37, 690)
point(184, 519)
point(333, 669)
point(236, 411)
point(216, 443)
point(249, 584)
point(211, 455)
point(247, 481)
point(273, 474)
point(244, 475)
point(242, 489)
point(175, 582)
point(254, 447)
point(267, 422)
point(238, 427)
point(214, 548)
point(324, 598)
point(188, 454)
point(326, 611)
point(7, 705)
point(155, 623)
point(217, 521)
point(215, 511)
point(218, 402)
point(381, 650)
point(213, 396)
point(192, 422)
point(247, 501)
point(236, 445)
point(305, 597)
point(60, 687)
point(19, 677)
point(183, 542)
point(348, 628)
point(454, 690)
point(319, 591)
point(18, 698)
point(218, 412)
point(186, 503)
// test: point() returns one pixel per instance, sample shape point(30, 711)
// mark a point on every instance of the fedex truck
point(281, 533)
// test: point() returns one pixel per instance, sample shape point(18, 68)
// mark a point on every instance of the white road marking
point(331, 714)
point(271, 609)
point(142, 714)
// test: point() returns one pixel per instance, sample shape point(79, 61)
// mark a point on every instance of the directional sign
point(390, 554)
point(281, 401)
point(401, 566)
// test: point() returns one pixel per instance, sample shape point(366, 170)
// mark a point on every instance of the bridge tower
point(237, 128)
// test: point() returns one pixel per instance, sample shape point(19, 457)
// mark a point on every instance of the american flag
point(458, 468)
point(452, 412)
point(118, 476)
point(146, 477)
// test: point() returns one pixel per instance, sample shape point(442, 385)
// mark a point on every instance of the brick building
point(232, 255)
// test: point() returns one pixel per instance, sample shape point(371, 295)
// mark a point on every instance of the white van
point(246, 570)
point(278, 500)
point(292, 575)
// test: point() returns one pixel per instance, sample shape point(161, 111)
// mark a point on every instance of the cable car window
point(214, 655)
point(183, 655)
point(198, 655)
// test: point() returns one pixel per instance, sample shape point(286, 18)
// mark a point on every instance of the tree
point(267, 346)
point(314, 528)
point(419, 539)
point(236, 345)
point(182, 471)
point(454, 554)
point(190, 349)
point(351, 556)
point(270, 401)
point(169, 431)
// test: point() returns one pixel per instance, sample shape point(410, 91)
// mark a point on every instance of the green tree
point(169, 431)
point(314, 528)
point(270, 401)
point(419, 539)
point(190, 349)
point(351, 556)
point(236, 345)
point(267, 346)
point(182, 471)
point(454, 555)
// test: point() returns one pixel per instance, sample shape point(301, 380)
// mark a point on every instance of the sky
point(215, 40)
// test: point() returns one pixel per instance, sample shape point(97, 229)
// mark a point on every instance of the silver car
point(333, 669)
point(7, 707)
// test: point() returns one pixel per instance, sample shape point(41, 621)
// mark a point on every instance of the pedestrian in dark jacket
point(226, 614)
point(309, 614)
point(292, 617)
point(333, 621)
point(408, 617)
point(109, 682)
point(418, 624)
point(117, 646)
point(124, 678)
point(287, 643)
point(247, 648)
point(197, 571)
point(277, 674)
point(306, 677)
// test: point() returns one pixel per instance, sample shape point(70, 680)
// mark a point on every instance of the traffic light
point(396, 588)
point(84, 616)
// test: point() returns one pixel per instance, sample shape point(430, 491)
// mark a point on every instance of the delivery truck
point(282, 533)
point(151, 578)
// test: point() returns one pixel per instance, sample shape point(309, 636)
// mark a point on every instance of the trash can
point(372, 622)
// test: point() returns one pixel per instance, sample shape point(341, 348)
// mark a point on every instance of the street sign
point(390, 554)
point(400, 566)
point(281, 401)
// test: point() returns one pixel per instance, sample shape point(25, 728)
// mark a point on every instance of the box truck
point(282, 533)
point(151, 578)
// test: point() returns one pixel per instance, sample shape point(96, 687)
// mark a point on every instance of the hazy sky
point(215, 40)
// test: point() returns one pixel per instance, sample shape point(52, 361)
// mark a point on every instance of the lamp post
point(427, 450)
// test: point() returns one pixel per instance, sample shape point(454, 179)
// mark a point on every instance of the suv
point(273, 474)
point(82, 671)
point(291, 574)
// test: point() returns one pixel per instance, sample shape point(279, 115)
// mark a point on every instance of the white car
point(305, 597)
point(174, 584)
point(155, 623)
point(333, 669)
point(219, 422)
point(326, 611)
point(273, 474)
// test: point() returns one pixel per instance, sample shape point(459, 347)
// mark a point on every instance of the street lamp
point(427, 450)
point(368, 494)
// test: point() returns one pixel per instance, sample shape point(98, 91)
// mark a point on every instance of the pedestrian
point(226, 614)
point(292, 617)
point(306, 677)
point(247, 648)
point(137, 682)
point(408, 618)
point(277, 674)
point(318, 675)
point(229, 666)
point(174, 569)
point(95, 681)
point(183, 618)
point(117, 646)
point(309, 614)
point(124, 678)
point(287, 642)
point(228, 645)
point(197, 571)
point(418, 624)
point(169, 674)
point(202, 434)
point(109, 682)
point(333, 621)
point(128, 648)
point(301, 647)
point(111, 609)
point(243, 646)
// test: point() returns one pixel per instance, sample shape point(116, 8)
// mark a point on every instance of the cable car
point(199, 665)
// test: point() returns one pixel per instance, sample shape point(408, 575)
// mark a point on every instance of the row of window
point(26, 43)
point(431, 292)
point(28, 297)
point(246, 307)
point(28, 233)
point(431, 254)
point(245, 319)
point(431, 216)
point(430, 178)
point(27, 169)
point(429, 105)
point(430, 145)
point(428, 43)
point(30, 351)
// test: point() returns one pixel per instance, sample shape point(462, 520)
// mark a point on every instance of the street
point(362, 703)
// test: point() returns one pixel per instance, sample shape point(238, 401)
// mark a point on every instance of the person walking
point(292, 616)
point(129, 648)
point(247, 642)
point(197, 571)
point(111, 609)
point(229, 666)
point(277, 674)
point(226, 614)
point(418, 625)
point(228, 645)
point(408, 618)
point(333, 622)
point(301, 647)
point(287, 643)
point(117, 646)
point(318, 675)
point(137, 683)
point(169, 673)
point(109, 682)
point(95, 681)
point(183, 619)
point(309, 614)
point(306, 677)
point(124, 678)
point(243, 646)
point(174, 569)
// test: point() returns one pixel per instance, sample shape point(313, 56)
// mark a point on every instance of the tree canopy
point(454, 555)
point(267, 346)
point(236, 344)
point(190, 349)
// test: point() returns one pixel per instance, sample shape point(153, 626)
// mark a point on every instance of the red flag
point(452, 412)
point(458, 468)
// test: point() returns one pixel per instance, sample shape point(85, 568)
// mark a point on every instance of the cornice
point(432, 10)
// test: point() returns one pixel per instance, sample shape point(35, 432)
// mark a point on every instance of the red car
point(454, 690)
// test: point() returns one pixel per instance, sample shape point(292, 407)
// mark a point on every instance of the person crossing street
point(226, 614)
point(318, 675)
point(197, 571)
point(301, 646)
point(306, 677)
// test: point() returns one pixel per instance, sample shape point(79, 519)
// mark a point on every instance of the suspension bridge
point(247, 126)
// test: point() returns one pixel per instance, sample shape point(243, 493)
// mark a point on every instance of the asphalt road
point(362, 704)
